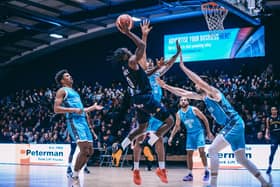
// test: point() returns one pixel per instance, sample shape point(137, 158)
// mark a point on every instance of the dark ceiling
point(26, 25)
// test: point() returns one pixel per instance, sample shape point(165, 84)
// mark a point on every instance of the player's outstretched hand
point(145, 27)
point(160, 62)
point(98, 107)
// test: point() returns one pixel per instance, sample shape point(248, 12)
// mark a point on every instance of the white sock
point(161, 165)
point(250, 166)
point(76, 173)
point(153, 139)
point(125, 143)
point(213, 181)
point(136, 166)
point(189, 171)
point(206, 168)
point(69, 164)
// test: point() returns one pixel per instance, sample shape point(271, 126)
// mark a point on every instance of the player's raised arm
point(141, 46)
point(168, 64)
point(145, 28)
point(198, 80)
point(179, 91)
point(161, 66)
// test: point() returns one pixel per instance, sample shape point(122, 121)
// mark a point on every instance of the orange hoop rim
point(213, 4)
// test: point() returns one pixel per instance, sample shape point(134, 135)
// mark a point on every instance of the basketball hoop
point(214, 15)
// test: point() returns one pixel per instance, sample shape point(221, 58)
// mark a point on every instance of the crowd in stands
point(27, 116)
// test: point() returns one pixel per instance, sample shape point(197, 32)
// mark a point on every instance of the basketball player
point(272, 133)
point(221, 110)
point(154, 124)
point(191, 118)
point(141, 95)
point(68, 101)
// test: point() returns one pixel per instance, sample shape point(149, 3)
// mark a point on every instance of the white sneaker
point(76, 181)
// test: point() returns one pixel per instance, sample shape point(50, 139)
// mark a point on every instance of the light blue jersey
point(190, 120)
point(77, 125)
point(73, 100)
point(154, 123)
point(195, 132)
point(222, 111)
point(156, 89)
point(224, 114)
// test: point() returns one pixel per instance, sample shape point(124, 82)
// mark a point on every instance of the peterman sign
point(37, 154)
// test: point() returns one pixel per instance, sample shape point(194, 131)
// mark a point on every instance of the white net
point(214, 15)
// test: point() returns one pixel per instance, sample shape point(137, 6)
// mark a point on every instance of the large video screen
point(226, 44)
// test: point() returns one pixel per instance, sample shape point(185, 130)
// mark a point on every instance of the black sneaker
point(86, 170)
point(206, 176)
point(268, 171)
point(69, 171)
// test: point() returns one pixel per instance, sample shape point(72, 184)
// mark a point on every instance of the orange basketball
point(123, 20)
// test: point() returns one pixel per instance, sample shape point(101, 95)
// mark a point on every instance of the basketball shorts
point(78, 129)
point(235, 135)
point(146, 106)
point(195, 140)
point(154, 124)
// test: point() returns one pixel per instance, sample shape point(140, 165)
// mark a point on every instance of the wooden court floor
point(54, 176)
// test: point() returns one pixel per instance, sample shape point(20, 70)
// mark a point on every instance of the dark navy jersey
point(274, 124)
point(136, 80)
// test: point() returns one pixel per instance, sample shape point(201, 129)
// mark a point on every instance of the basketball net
point(214, 15)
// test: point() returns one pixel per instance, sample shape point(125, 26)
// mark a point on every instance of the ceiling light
point(135, 18)
point(58, 36)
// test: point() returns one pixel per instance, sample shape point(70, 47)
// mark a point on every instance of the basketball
point(123, 20)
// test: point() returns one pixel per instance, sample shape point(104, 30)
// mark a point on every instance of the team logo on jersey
point(189, 122)
point(211, 109)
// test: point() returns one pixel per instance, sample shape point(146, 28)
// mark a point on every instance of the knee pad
point(213, 152)
point(241, 159)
